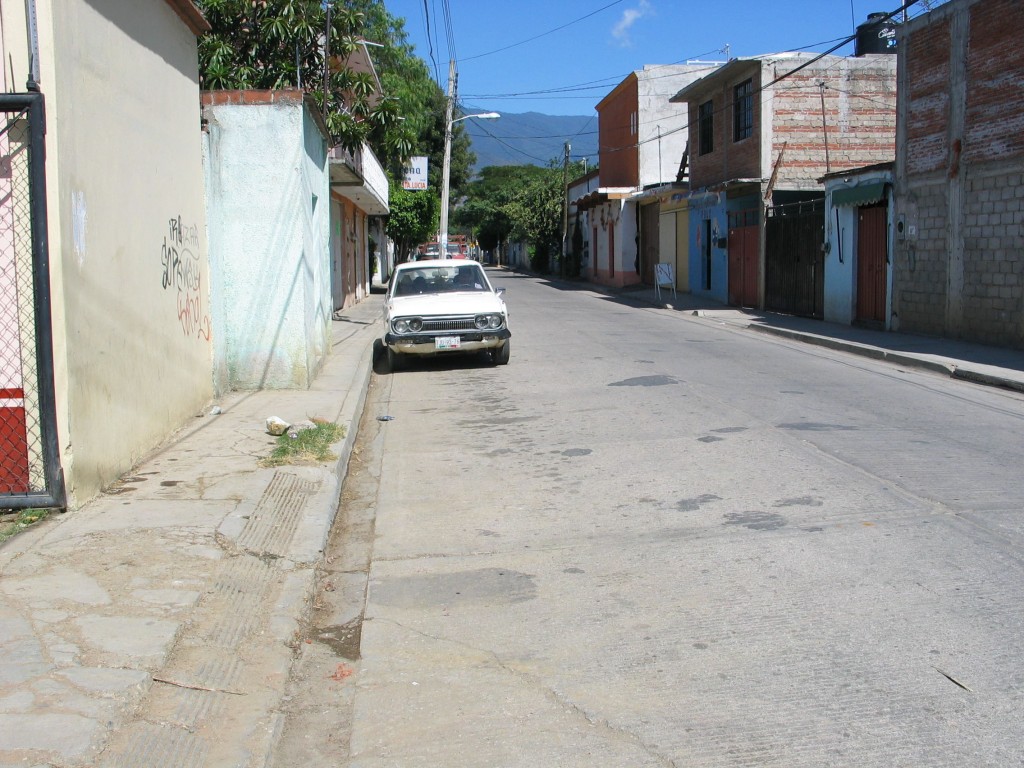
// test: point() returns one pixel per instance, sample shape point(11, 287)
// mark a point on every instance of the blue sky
point(592, 54)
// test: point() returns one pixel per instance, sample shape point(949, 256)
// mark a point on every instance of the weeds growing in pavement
point(308, 446)
point(15, 522)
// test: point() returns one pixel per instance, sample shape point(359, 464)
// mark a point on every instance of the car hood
point(457, 303)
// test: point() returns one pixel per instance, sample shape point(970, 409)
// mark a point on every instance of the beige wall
point(127, 229)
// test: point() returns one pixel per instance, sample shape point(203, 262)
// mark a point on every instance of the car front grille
point(449, 324)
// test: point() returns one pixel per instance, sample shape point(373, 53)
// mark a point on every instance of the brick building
point(763, 131)
point(959, 255)
point(641, 136)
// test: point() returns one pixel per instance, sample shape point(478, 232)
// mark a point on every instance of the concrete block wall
point(920, 269)
point(959, 272)
point(993, 284)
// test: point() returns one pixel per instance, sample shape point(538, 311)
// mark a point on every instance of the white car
point(440, 307)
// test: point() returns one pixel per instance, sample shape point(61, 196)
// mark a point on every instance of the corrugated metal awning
point(865, 194)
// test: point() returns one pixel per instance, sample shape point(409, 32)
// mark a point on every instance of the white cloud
point(629, 17)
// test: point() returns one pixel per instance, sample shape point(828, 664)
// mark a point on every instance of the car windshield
point(426, 280)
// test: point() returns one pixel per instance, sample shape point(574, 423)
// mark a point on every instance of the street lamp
point(442, 235)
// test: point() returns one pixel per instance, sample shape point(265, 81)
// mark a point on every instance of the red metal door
point(872, 261)
point(743, 249)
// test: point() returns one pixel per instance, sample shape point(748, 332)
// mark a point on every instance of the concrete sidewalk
point(992, 366)
point(156, 625)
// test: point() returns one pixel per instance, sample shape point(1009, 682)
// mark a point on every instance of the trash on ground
point(385, 418)
point(343, 671)
point(952, 679)
point(216, 411)
point(277, 426)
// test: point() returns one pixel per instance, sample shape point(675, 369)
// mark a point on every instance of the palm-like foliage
point(277, 44)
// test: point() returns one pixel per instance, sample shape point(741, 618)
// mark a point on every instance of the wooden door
point(872, 263)
point(744, 248)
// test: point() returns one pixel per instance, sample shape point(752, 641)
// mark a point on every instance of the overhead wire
point(540, 94)
point(543, 34)
point(430, 39)
point(762, 88)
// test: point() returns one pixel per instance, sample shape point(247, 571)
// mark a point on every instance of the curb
point(987, 379)
point(874, 353)
point(294, 605)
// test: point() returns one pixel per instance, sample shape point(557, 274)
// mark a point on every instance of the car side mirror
point(499, 291)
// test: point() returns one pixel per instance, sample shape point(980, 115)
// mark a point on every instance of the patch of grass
point(16, 522)
point(308, 446)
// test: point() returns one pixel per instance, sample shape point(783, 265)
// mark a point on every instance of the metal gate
point(30, 472)
point(794, 260)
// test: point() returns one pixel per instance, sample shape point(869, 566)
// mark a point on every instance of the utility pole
point(659, 155)
point(824, 127)
point(442, 235)
point(565, 209)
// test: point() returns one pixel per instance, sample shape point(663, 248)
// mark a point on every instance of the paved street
point(655, 539)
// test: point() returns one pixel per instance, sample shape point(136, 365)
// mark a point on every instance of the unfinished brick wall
point(858, 122)
point(959, 271)
point(729, 159)
point(855, 127)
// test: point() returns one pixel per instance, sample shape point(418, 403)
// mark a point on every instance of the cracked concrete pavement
point(157, 624)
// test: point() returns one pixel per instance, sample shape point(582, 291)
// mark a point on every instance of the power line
point(509, 146)
point(762, 88)
point(684, 115)
point(543, 34)
point(430, 40)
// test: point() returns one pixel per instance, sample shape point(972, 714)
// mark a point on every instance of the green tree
point(521, 202)
point(281, 44)
point(486, 212)
point(413, 219)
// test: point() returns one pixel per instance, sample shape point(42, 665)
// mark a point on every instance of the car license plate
point(447, 342)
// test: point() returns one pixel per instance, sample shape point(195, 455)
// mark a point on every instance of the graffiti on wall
point(179, 257)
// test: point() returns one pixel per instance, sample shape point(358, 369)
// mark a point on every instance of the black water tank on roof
point(876, 35)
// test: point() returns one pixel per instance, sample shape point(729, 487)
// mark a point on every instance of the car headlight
point(408, 325)
point(488, 322)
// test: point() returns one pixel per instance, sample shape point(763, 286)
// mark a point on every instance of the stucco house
point(113, 350)
point(858, 248)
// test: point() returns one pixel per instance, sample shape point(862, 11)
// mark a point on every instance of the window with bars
point(743, 110)
point(706, 127)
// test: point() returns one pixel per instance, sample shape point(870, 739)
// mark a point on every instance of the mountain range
point(532, 138)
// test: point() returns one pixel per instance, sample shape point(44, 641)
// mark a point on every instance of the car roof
point(435, 263)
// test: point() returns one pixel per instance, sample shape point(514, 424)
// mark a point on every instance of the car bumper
point(425, 344)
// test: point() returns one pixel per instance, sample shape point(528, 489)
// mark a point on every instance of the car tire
point(502, 353)
point(394, 361)
point(381, 364)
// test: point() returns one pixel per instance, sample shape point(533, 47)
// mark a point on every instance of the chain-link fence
point(30, 473)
